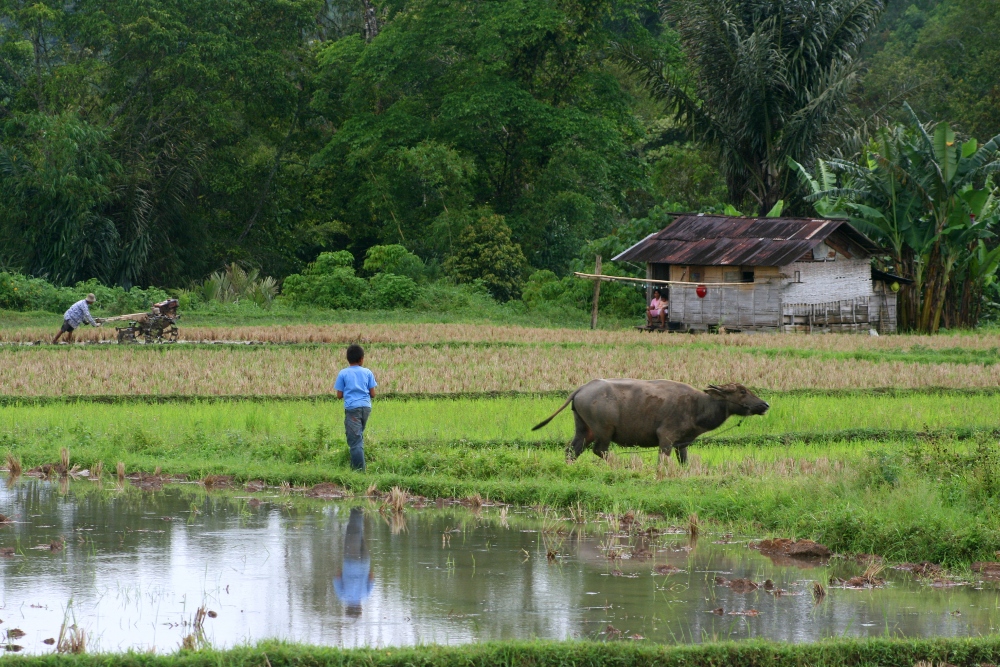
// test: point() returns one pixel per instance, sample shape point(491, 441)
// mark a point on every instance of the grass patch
point(505, 419)
point(968, 652)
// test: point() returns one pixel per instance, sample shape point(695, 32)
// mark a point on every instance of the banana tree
point(975, 272)
point(874, 196)
point(945, 177)
point(919, 191)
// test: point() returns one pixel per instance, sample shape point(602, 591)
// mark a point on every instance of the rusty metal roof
point(710, 240)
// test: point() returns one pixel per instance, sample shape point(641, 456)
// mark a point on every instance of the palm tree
point(769, 80)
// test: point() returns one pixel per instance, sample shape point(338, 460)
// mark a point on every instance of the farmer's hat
point(91, 298)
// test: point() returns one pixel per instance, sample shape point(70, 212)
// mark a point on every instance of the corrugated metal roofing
point(718, 240)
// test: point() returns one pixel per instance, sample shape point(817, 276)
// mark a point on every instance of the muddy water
point(135, 566)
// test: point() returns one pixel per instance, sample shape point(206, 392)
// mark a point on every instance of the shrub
point(389, 291)
point(543, 287)
point(546, 292)
point(18, 292)
point(444, 297)
point(486, 253)
point(329, 282)
point(394, 259)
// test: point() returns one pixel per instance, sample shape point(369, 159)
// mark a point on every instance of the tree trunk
point(371, 20)
point(906, 302)
point(939, 297)
point(943, 266)
point(932, 283)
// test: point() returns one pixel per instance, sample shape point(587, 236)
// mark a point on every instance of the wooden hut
point(767, 274)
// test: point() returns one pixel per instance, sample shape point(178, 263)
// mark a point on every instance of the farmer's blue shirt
point(355, 382)
point(79, 313)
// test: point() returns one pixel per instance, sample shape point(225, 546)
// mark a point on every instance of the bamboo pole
point(611, 279)
point(597, 293)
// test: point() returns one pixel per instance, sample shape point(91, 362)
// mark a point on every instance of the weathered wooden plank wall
point(737, 306)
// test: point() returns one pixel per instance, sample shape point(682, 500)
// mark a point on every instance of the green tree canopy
point(769, 81)
point(455, 106)
point(486, 254)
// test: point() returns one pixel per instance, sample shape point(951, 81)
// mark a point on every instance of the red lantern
point(701, 291)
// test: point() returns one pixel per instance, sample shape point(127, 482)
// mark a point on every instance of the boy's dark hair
point(355, 353)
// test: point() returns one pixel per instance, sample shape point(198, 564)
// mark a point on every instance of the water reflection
point(354, 583)
point(137, 565)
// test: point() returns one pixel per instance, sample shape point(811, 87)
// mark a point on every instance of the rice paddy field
point(883, 445)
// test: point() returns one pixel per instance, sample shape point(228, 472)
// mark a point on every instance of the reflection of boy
point(356, 385)
point(354, 583)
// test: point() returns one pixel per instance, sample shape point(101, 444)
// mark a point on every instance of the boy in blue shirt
point(356, 385)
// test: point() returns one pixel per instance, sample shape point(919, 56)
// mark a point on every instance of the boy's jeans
point(354, 423)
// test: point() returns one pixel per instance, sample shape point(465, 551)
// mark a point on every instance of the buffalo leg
point(682, 454)
point(662, 458)
point(602, 441)
point(582, 436)
point(601, 446)
point(667, 440)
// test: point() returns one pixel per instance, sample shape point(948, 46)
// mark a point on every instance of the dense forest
point(161, 142)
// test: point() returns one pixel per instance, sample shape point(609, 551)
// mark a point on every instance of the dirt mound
point(738, 585)
point(868, 558)
point(921, 569)
point(147, 482)
point(742, 586)
point(666, 569)
point(326, 490)
point(218, 482)
point(792, 548)
point(988, 569)
point(862, 581)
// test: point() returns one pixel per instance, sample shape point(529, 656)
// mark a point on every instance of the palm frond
point(665, 85)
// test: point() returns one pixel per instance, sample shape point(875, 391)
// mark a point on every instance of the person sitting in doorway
point(657, 310)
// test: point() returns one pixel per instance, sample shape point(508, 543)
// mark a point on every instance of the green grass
point(505, 419)
point(968, 652)
point(907, 498)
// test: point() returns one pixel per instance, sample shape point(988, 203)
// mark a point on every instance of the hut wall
point(697, 274)
point(883, 309)
point(829, 296)
point(748, 306)
point(835, 296)
point(822, 282)
point(717, 274)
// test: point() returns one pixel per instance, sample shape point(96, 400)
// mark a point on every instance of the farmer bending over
point(77, 314)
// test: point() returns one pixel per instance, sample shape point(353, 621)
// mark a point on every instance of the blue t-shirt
point(356, 382)
point(354, 585)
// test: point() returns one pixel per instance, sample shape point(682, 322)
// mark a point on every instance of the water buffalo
point(651, 413)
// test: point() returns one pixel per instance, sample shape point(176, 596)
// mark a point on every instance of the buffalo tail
point(553, 415)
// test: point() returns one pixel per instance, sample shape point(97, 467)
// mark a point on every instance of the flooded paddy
point(132, 569)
